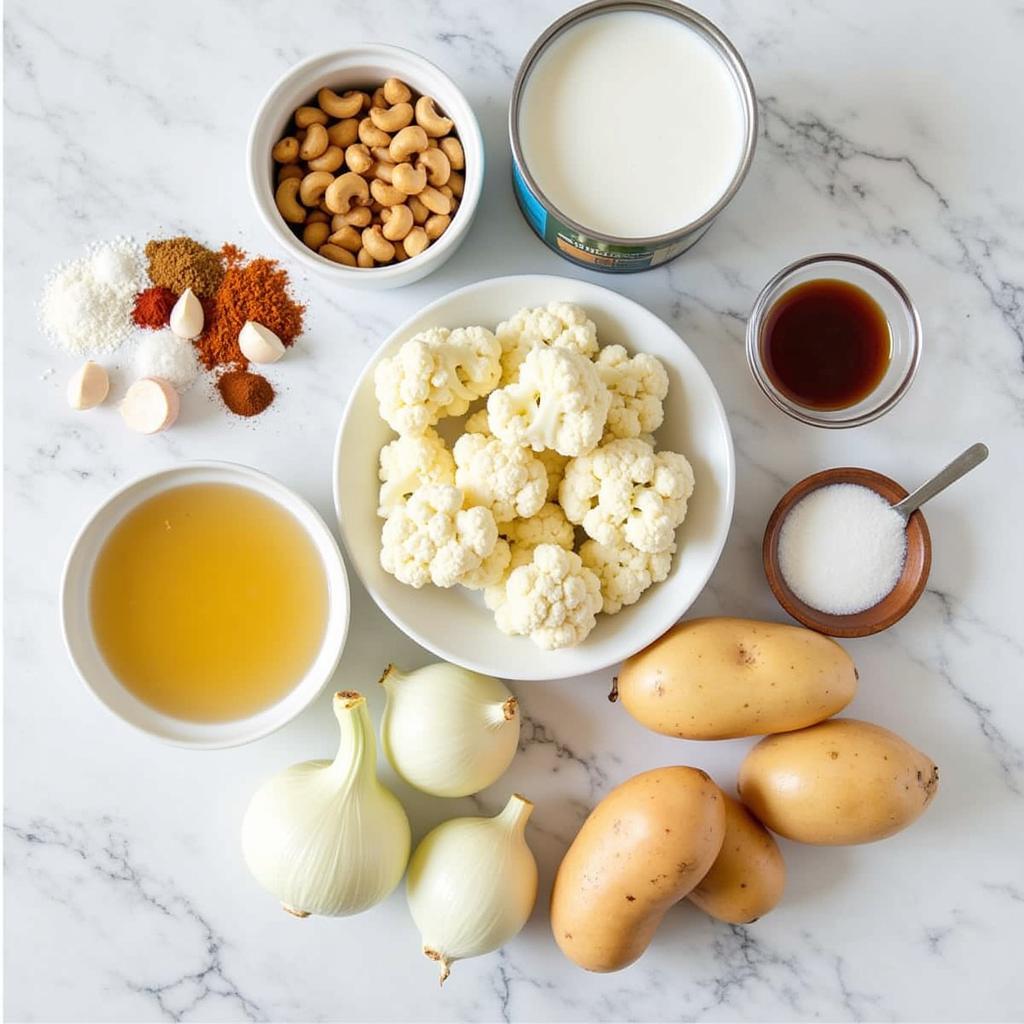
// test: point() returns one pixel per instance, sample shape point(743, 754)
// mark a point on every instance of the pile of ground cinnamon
point(244, 393)
point(182, 262)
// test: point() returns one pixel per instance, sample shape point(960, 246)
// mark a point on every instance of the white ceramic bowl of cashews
point(363, 67)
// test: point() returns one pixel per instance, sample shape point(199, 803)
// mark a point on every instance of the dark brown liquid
point(826, 344)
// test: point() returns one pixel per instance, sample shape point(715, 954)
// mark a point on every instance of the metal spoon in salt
point(962, 464)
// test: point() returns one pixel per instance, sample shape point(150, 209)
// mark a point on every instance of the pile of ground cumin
point(182, 262)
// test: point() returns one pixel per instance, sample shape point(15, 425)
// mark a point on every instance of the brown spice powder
point(244, 393)
point(182, 262)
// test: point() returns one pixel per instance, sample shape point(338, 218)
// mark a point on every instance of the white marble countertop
point(892, 130)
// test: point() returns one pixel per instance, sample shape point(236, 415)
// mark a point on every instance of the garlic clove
point(187, 317)
point(150, 405)
point(259, 344)
point(88, 387)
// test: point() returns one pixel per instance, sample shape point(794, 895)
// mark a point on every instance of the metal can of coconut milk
point(632, 125)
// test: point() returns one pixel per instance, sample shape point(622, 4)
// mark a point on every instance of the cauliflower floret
point(554, 465)
point(554, 599)
point(625, 572)
point(437, 373)
point(558, 402)
point(409, 462)
point(638, 387)
point(625, 493)
point(509, 481)
point(478, 423)
point(432, 539)
point(493, 568)
point(558, 325)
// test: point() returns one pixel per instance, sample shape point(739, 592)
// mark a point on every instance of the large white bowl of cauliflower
point(534, 477)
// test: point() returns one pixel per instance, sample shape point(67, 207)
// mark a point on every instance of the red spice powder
point(153, 307)
point(255, 289)
point(244, 393)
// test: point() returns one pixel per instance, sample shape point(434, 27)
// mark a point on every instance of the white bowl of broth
point(206, 605)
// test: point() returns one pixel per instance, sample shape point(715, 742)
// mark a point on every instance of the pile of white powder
point(86, 307)
point(842, 548)
point(163, 354)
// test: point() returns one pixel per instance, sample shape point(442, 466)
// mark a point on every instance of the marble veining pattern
point(891, 130)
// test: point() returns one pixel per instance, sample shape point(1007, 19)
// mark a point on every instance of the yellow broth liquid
point(209, 602)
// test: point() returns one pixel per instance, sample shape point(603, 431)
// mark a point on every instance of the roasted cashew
point(398, 222)
point(315, 143)
point(457, 183)
point(371, 135)
point(452, 148)
point(377, 245)
point(391, 119)
point(348, 238)
point(433, 123)
point(410, 180)
point(437, 166)
point(437, 225)
point(345, 190)
point(286, 151)
point(318, 217)
point(315, 234)
point(382, 154)
point(386, 195)
point(346, 105)
point(344, 133)
point(378, 99)
point(400, 254)
point(396, 91)
point(419, 212)
point(290, 171)
point(382, 171)
point(415, 242)
point(411, 139)
point(330, 159)
point(435, 200)
point(305, 116)
point(357, 158)
point(358, 217)
point(286, 199)
point(336, 254)
point(364, 259)
point(313, 186)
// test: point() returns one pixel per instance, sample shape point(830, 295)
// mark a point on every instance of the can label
point(593, 253)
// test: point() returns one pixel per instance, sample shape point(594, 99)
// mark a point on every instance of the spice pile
point(188, 307)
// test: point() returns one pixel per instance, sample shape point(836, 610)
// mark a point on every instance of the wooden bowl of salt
point(816, 576)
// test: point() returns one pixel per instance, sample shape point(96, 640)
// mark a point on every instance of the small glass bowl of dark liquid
point(834, 340)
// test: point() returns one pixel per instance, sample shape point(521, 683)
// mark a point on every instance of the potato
point(716, 679)
point(749, 874)
point(839, 782)
point(641, 850)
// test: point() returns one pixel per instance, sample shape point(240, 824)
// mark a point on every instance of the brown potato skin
point(748, 876)
point(641, 850)
point(837, 783)
point(721, 678)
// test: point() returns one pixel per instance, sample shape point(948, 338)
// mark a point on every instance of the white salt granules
point(86, 306)
point(842, 548)
point(163, 354)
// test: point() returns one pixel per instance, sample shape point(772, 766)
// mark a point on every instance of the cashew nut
point(415, 242)
point(383, 171)
point(437, 166)
point(457, 183)
point(315, 143)
point(387, 195)
point(377, 245)
point(300, 135)
point(391, 119)
point(378, 99)
point(371, 135)
point(452, 148)
point(419, 212)
point(382, 154)
point(433, 123)
point(317, 217)
point(410, 180)
point(348, 238)
point(345, 190)
point(315, 234)
point(336, 254)
point(346, 105)
point(436, 225)
point(358, 217)
point(329, 160)
point(344, 133)
point(396, 91)
point(285, 197)
point(398, 222)
point(358, 158)
point(305, 116)
point(290, 171)
point(411, 139)
point(364, 259)
point(400, 254)
point(435, 200)
point(286, 151)
point(313, 186)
